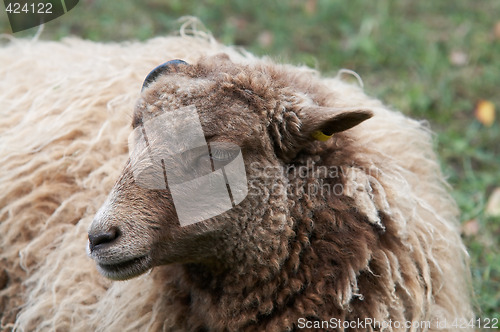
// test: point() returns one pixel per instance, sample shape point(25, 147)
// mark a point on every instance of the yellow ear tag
point(320, 136)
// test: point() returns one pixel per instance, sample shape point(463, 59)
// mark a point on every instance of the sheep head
point(265, 114)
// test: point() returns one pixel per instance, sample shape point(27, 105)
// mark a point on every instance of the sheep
point(346, 219)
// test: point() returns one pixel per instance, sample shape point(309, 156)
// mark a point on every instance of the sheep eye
point(203, 160)
point(223, 153)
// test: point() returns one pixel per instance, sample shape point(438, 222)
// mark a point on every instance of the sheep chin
point(126, 269)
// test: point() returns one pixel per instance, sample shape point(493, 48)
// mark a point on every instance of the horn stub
point(170, 66)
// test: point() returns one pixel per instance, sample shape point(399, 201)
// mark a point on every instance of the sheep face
point(261, 114)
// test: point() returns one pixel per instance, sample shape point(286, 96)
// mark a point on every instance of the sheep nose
point(100, 239)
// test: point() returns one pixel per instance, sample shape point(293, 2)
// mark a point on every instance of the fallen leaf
point(496, 30)
point(266, 38)
point(470, 227)
point(485, 112)
point(493, 205)
point(239, 23)
point(459, 58)
point(311, 6)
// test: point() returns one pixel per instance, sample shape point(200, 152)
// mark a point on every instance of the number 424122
point(482, 323)
point(33, 8)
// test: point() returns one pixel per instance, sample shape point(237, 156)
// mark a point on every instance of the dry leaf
point(496, 30)
point(458, 58)
point(266, 38)
point(311, 6)
point(485, 112)
point(470, 227)
point(493, 205)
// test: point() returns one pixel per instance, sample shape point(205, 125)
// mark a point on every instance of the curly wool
point(387, 248)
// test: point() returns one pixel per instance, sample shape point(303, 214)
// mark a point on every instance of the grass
point(432, 60)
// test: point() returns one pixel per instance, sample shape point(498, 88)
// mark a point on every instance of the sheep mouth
point(126, 269)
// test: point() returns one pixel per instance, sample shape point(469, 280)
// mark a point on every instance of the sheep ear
point(170, 66)
point(322, 122)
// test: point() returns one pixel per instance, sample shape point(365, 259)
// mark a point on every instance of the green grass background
point(404, 50)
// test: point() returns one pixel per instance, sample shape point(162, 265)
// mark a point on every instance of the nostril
point(103, 238)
